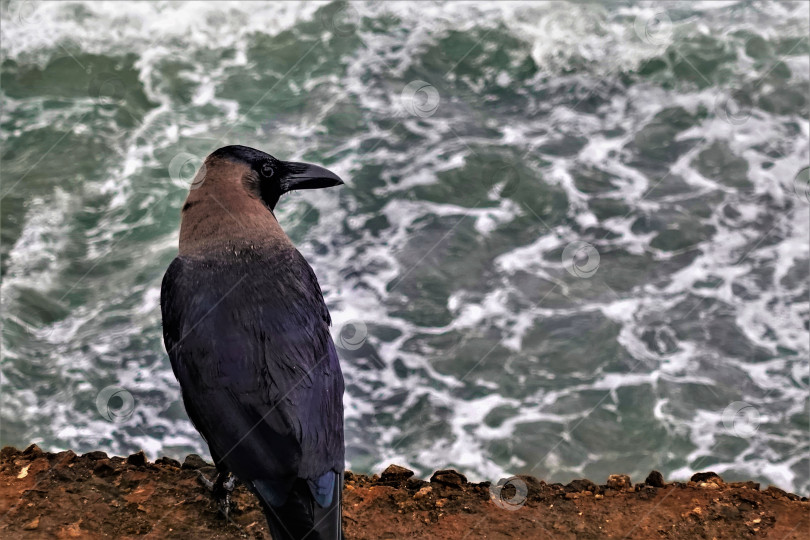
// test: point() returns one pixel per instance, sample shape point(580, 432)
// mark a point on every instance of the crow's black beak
point(306, 176)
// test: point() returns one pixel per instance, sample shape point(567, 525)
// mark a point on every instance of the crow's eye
point(267, 170)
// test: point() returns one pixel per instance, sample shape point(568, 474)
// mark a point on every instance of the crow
point(247, 332)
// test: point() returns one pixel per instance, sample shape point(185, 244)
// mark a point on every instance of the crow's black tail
point(302, 518)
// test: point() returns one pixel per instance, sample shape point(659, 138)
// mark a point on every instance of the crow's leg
point(220, 489)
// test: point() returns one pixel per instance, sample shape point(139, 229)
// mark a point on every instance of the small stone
point(422, 493)
point(168, 461)
point(708, 476)
point(8, 452)
point(32, 450)
point(31, 525)
point(441, 502)
point(709, 485)
point(572, 495)
point(777, 493)
point(448, 477)
point(63, 459)
point(70, 531)
point(598, 496)
point(581, 484)
point(193, 461)
point(95, 455)
point(749, 484)
point(63, 474)
point(646, 492)
point(103, 468)
point(137, 459)
point(395, 473)
point(619, 482)
point(414, 484)
point(725, 511)
point(655, 479)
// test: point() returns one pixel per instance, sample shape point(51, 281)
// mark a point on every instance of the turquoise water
point(573, 239)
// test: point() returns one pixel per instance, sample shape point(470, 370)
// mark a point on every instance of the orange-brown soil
point(45, 495)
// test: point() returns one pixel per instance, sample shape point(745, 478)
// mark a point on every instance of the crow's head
point(269, 177)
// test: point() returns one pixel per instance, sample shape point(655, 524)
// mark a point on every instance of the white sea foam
point(359, 277)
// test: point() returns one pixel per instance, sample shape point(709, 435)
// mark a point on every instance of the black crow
point(247, 332)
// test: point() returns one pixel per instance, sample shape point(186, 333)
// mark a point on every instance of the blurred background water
point(573, 239)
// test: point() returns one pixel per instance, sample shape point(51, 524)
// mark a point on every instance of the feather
point(248, 339)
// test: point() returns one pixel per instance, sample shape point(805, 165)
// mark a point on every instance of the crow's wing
point(248, 339)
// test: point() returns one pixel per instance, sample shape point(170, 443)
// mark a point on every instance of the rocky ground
point(45, 495)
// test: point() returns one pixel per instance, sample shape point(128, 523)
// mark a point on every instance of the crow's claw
point(220, 489)
point(209, 485)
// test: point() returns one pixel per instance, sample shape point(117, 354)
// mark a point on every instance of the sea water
point(573, 238)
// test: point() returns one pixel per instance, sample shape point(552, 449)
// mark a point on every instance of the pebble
point(193, 461)
point(448, 477)
point(138, 459)
point(655, 479)
point(778, 493)
point(63, 459)
point(167, 461)
point(706, 477)
point(103, 468)
point(619, 482)
point(582, 484)
point(31, 525)
point(32, 450)
point(395, 473)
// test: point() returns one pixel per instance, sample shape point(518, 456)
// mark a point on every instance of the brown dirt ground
point(45, 495)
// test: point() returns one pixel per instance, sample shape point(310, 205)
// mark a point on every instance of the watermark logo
point(801, 184)
point(741, 419)
point(187, 171)
point(580, 259)
point(352, 338)
point(342, 21)
point(352, 335)
point(115, 404)
point(509, 493)
point(25, 10)
point(734, 106)
point(420, 98)
point(654, 29)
